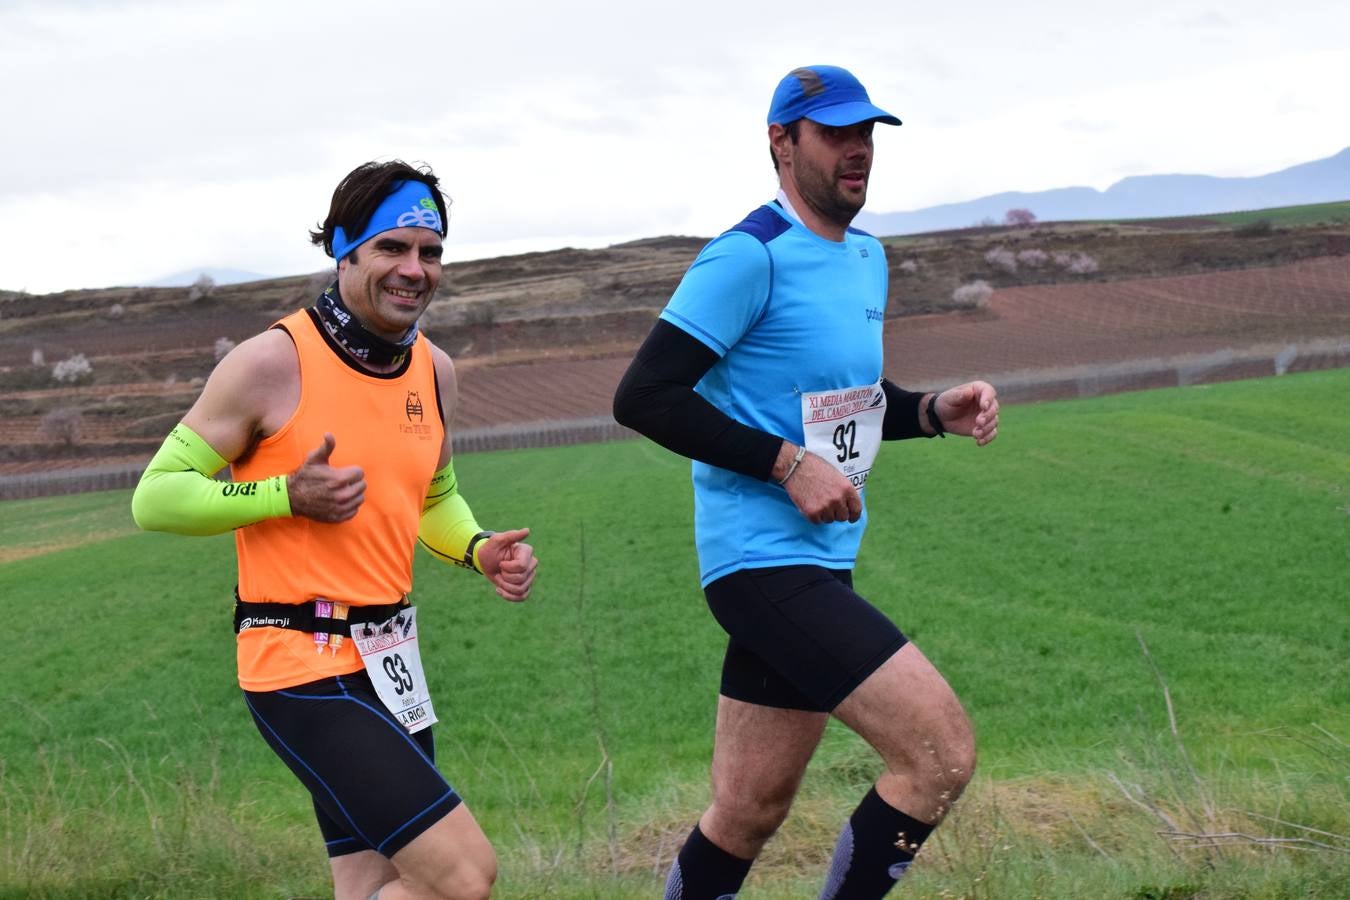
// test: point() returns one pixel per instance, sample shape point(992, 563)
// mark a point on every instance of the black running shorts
point(375, 787)
point(800, 638)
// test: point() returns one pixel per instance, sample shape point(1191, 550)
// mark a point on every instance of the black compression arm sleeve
point(902, 414)
point(656, 398)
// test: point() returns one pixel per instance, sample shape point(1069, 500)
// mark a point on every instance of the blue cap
point(408, 205)
point(825, 94)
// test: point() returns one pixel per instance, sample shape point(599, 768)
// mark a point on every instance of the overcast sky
point(144, 137)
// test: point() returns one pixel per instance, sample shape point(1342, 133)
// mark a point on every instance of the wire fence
point(1019, 387)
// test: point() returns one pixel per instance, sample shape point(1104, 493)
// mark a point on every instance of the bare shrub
point(1033, 259)
point(38, 357)
point(974, 295)
point(1003, 259)
point(202, 287)
point(1022, 218)
point(909, 266)
point(483, 312)
point(1258, 228)
point(223, 345)
point(62, 425)
point(72, 369)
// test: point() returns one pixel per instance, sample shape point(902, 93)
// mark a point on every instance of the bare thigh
point(759, 756)
point(358, 875)
point(452, 859)
point(912, 718)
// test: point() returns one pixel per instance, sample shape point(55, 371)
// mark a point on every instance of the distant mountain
point(1136, 197)
point(219, 276)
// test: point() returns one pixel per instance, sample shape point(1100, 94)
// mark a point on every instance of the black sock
point(704, 871)
point(875, 848)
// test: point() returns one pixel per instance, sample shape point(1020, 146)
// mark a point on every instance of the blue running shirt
point(788, 312)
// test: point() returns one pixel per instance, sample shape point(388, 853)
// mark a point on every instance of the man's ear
point(780, 143)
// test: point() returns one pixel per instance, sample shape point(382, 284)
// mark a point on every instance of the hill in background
point(188, 277)
point(545, 336)
point(1137, 197)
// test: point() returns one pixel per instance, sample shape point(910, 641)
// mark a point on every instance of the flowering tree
point(202, 287)
point(72, 369)
point(1002, 258)
point(1076, 263)
point(1033, 259)
point(1021, 218)
point(1082, 264)
point(972, 296)
point(223, 346)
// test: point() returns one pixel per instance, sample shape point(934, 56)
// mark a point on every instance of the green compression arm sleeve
point(448, 529)
point(177, 493)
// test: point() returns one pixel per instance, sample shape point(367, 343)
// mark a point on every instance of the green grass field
point(1290, 216)
point(1208, 524)
point(1335, 213)
point(1277, 216)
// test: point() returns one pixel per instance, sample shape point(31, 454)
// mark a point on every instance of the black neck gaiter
point(354, 337)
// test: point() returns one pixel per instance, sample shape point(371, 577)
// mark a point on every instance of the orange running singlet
point(390, 425)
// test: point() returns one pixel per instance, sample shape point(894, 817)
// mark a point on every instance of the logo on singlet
point(875, 315)
point(413, 407)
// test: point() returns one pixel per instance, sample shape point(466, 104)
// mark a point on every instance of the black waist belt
point(301, 617)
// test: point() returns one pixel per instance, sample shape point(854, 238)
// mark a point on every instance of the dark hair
point(363, 190)
point(794, 131)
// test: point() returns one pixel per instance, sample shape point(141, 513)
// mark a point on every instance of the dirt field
point(1023, 329)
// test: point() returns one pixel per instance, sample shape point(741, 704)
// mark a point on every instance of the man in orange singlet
point(334, 423)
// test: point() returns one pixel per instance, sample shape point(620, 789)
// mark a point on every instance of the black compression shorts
point(375, 787)
point(800, 638)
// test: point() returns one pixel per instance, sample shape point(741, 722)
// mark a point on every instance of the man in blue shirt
point(765, 369)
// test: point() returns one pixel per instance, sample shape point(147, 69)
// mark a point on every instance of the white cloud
point(147, 136)
point(1210, 18)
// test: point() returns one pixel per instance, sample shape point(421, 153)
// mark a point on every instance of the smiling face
point(389, 280)
point(825, 171)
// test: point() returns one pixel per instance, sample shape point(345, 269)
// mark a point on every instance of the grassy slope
point(1213, 522)
point(1279, 216)
point(1290, 216)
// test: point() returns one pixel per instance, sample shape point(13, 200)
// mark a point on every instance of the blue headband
point(410, 205)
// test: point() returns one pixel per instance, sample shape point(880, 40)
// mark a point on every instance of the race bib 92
point(844, 427)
